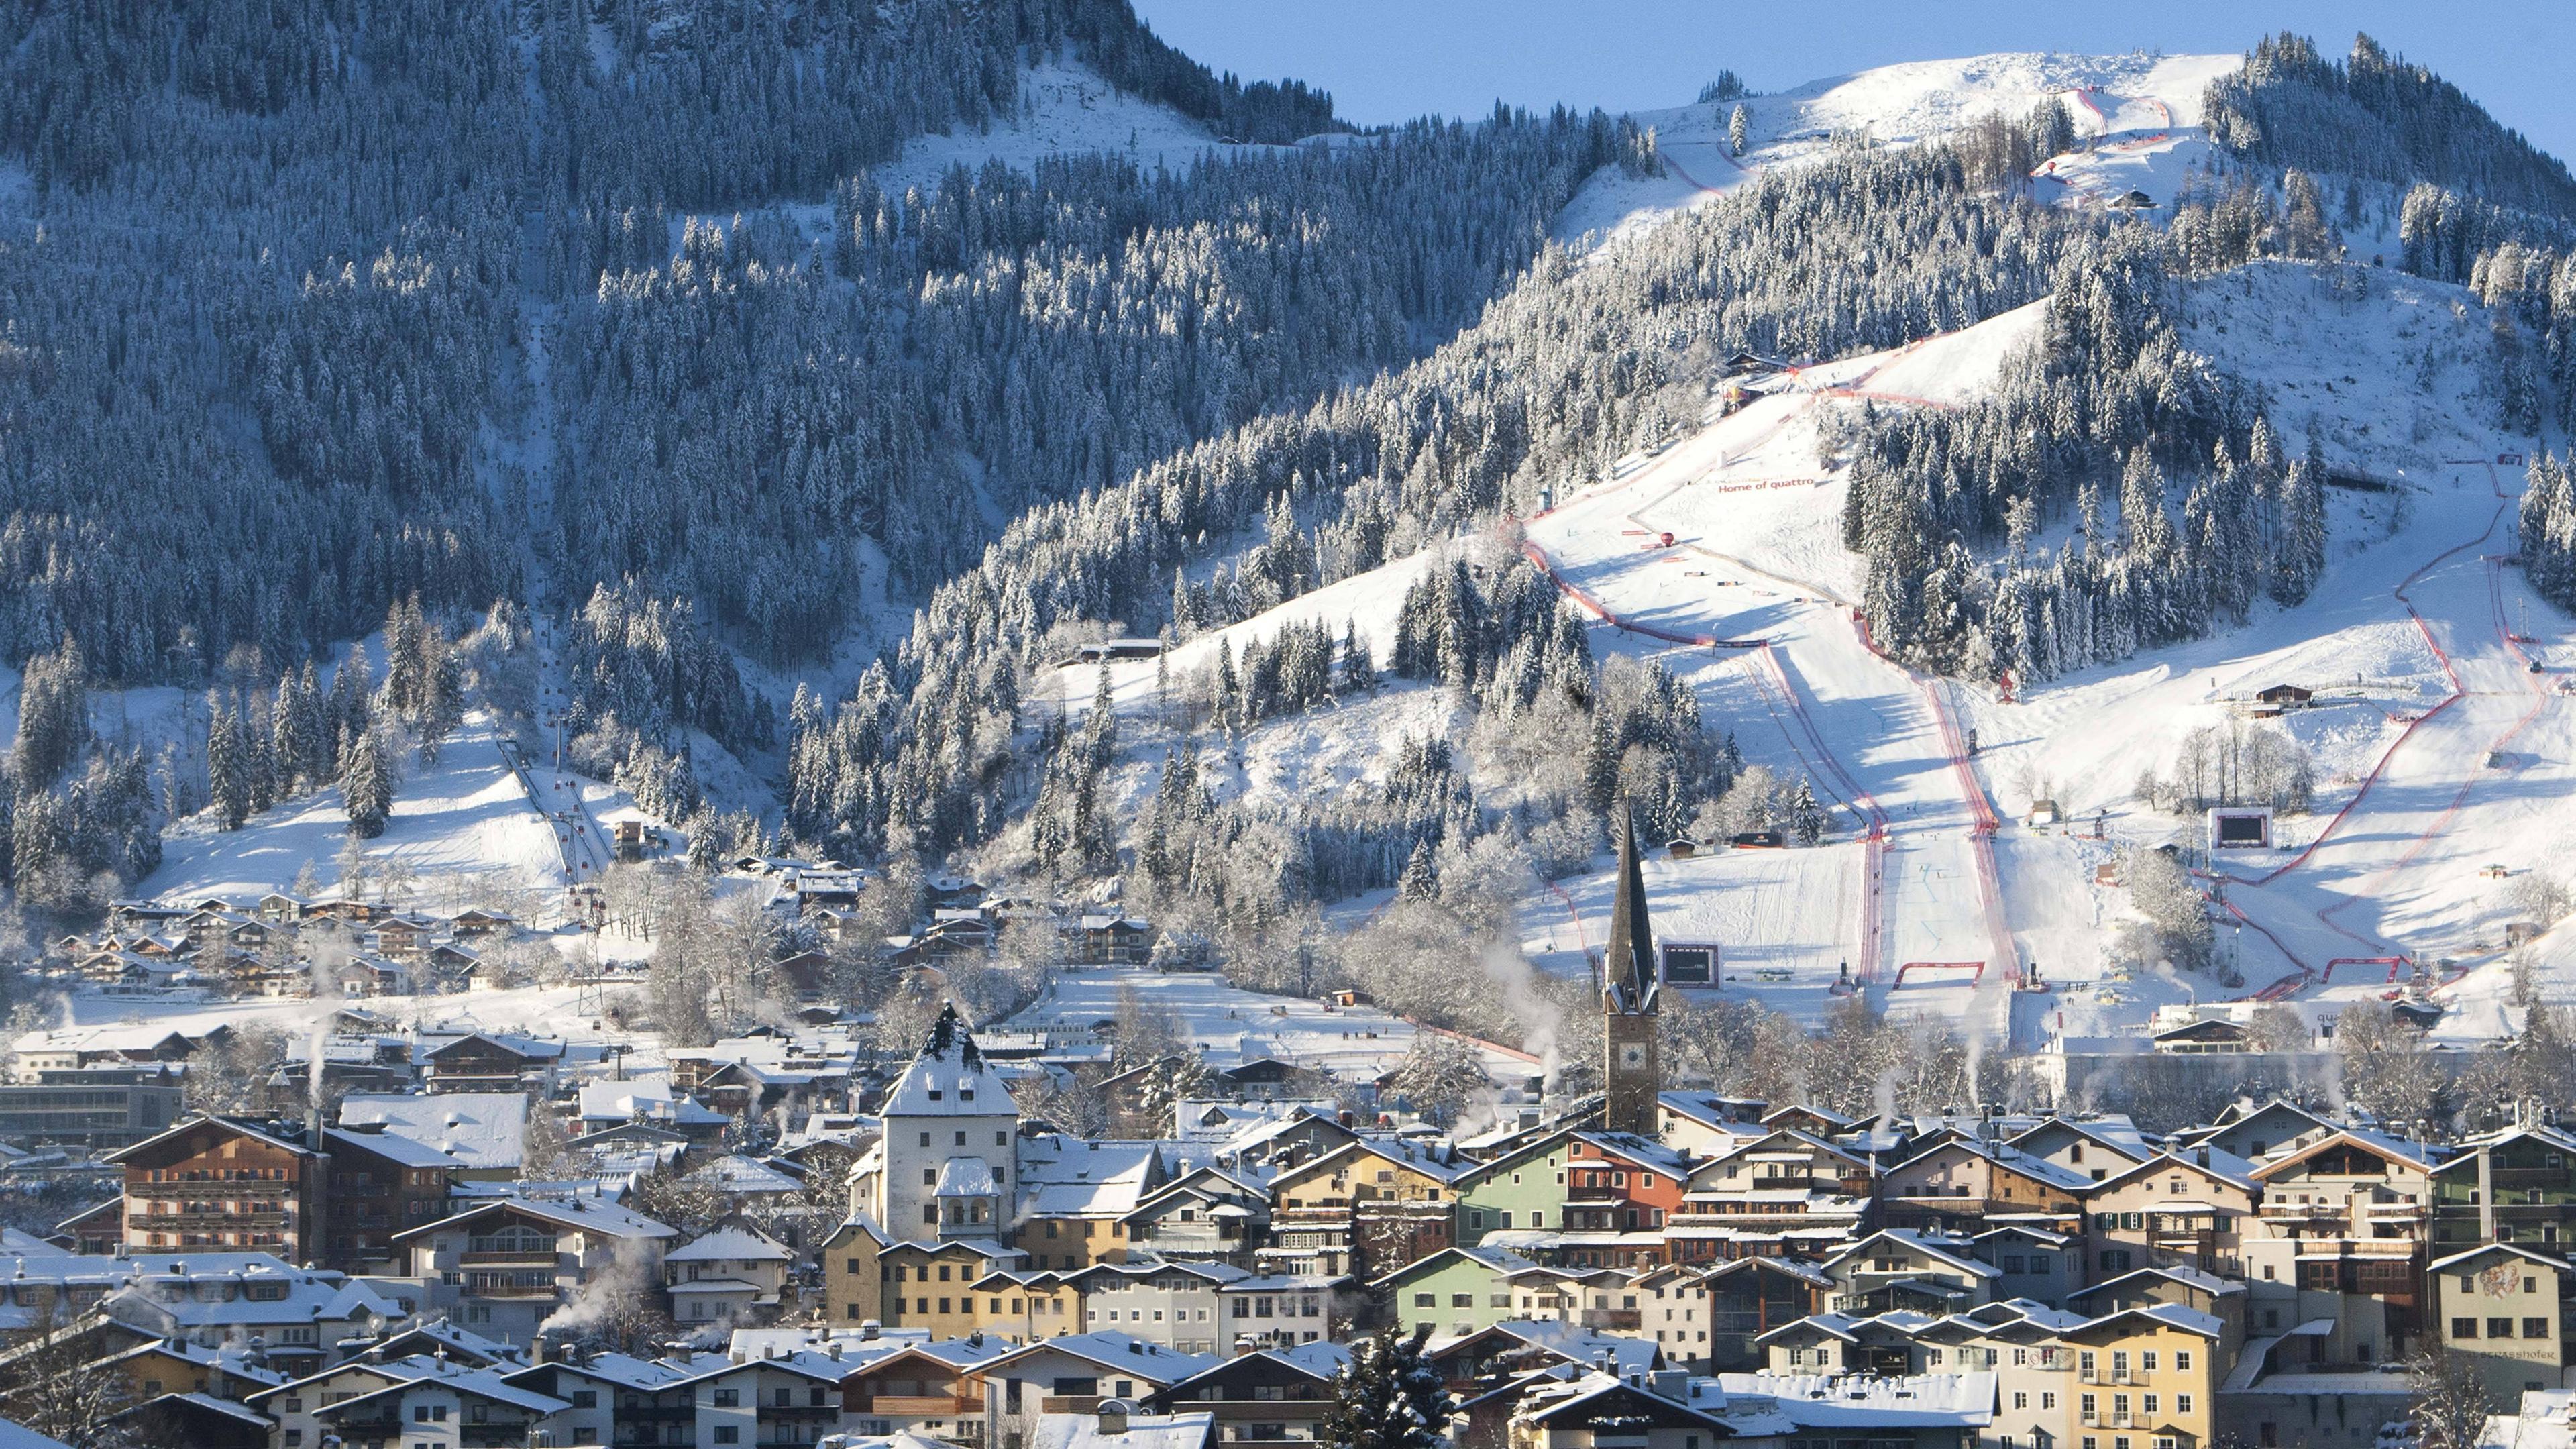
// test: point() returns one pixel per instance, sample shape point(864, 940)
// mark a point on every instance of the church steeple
point(1628, 975)
point(1632, 1073)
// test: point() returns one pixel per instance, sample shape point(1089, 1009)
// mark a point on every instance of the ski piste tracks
point(1875, 840)
point(2306, 975)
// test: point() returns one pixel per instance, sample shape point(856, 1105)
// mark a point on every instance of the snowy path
point(1928, 930)
point(2380, 880)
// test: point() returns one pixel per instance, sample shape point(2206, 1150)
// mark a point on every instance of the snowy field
point(462, 827)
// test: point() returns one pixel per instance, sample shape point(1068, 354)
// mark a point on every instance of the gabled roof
point(1791, 1137)
point(2226, 1167)
point(391, 1146)
point(744, 1245)
point(1319, 1361)
point(1949, 1251)
point(2172, 1315)
point(2442, 1265)
point(947, 1353)
point(1568, 1342)
point(1493, 1258)
point(2193, 1278)
point(2378, 1144)
point(470, 1382)
point(1644, 1152)
point(233, 1125)
point(1706, 1405)
point(2115, 1134)
point(623, 1370)
point(582, 1214)
point(486, 1130)
point(1393, 1154)
point(2469, 1146)
point(1798, 1268)
point(2240, 1112)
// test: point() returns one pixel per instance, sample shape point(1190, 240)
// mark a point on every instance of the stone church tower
point(1632, 1076)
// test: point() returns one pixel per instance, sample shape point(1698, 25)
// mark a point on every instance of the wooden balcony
point(918, 1406)
point(205, 1221)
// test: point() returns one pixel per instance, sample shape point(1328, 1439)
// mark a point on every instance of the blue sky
point(1386, 60)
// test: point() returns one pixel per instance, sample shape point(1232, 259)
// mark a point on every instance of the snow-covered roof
point(2545, 1418)
point(2178, 1273)
point(1644, 1151)
point(485, 1383)
point(1122, 1353)
point(1143, 1431)
point(745, 1177)
point(730, 1244)
point(1064, 1176)
point(966, 1177)
point(1857, 1401)
point(1952, 1251)
point(14, 1435)
point(474, 1129)
point(390, 1145)
point(2172, 1315)
point(2226, 1166)
point(950, 1078)
point(581, 1213)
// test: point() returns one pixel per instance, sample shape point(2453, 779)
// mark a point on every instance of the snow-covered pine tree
point(367, 784)
point(1388, 1396)
point(228, 765)
point(1806, 815)
point(1358, 670)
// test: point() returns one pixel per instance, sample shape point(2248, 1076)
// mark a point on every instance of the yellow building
point(853, 1283)
point(1023, 1307)
point(929, 1285)
point(2145, 1378)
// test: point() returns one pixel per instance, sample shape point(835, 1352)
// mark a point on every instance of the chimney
point(1673, 1384)
point(536, 1351)
point(1242, 1344)
point(1113, 1418)
point(869, 1330)
point(2204, 1156)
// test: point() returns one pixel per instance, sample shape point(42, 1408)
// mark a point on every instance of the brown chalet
point(480, 1063)
point(381, 1184)
point(219, 1183)
point(1964, 1182)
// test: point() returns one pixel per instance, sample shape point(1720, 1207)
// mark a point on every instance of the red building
point(1619, 1189)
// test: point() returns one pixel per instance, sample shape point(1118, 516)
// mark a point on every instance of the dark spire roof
point(1628, 974)
point(948, 1034)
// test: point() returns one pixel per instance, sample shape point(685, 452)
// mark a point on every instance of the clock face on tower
point(1632, 1055)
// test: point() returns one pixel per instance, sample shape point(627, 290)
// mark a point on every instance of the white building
point(730, 1275)
point(949, 1161)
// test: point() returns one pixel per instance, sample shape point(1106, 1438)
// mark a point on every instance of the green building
point(2515, 1185)
point(1520, 1190)
point(1456, 1290)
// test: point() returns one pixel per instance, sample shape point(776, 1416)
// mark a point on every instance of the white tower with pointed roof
point(951, 1142)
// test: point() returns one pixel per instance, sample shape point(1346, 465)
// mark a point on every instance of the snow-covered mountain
point(1969, 443)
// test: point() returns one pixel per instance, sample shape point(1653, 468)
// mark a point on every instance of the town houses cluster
point(470, 1238)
